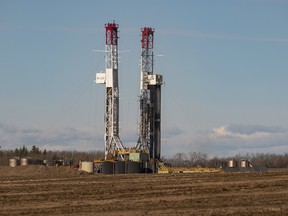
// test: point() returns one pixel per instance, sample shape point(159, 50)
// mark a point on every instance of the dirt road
point(34, 190)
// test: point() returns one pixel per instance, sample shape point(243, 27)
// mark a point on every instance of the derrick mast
point(112, 141)
point(150, 99)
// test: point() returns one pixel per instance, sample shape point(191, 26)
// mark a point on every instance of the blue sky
point(224, 64)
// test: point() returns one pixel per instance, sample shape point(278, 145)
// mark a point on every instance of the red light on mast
point(147, 37)
point(111, 33)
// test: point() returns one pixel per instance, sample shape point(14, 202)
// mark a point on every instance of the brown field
point(37, 190)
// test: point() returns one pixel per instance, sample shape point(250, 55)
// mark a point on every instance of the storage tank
point(87, 166)
point(244, 163)
point(13, 162)
point(119, 167)
point(133, 167)
point(107, 167)
point(24, 161)
point(231, 163)
point(149, 167)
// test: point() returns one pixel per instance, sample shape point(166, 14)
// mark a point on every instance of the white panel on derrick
point(109, 77)
point(155, 79)
point(100, 78)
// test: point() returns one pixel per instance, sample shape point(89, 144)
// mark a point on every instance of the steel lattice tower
point(110, 78)
point(150, 98)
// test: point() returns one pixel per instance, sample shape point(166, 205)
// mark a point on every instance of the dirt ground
point(39, 190)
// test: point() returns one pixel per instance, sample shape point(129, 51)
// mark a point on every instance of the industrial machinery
point(150, 99)
point(110, 78)
point(144, 156)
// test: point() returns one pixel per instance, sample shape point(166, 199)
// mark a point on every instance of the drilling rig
point(144, 157)
point(112, 140)
point(150, 99)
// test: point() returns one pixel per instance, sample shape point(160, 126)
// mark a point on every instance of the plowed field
point(36, 190)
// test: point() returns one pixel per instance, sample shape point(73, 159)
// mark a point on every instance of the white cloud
point(81, 139)
point(245, 131)
point(227, 140)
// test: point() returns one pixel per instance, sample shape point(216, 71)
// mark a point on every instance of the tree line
point(37, 154)
point(190, 159)
point(199, 159)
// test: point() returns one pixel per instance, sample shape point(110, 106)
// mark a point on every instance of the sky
point(224, 64)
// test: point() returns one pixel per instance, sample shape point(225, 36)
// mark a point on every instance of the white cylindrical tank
point(244, 163)
point(13, 162)
point(24, 161)
point(87, 166)
point(231, 163)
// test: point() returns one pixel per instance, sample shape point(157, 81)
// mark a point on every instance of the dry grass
point(36, 190)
